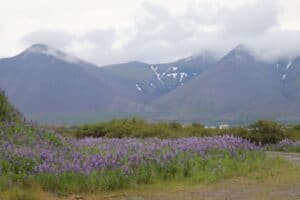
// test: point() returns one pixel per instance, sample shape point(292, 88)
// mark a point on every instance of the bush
point(262, 131)
point(267, 132)
point(199, 131)
point(294, 132)
point(134, 127)
point(240, 132)
point(17, 165)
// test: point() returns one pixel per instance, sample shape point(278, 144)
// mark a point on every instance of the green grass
point(95, 185)
point(279, 175)
point(217, 166)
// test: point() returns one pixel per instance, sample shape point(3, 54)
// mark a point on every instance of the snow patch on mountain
point(154, 69)
point(174, 75)
point(289, 65)
point(173, 68)
point(138, 87)
point(183, 75)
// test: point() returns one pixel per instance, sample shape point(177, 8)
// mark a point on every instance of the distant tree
point(297, 127)
point(197, 125)
point(175, 125)
point(267, 132)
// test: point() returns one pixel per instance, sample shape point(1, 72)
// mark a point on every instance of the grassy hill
point(7, 111)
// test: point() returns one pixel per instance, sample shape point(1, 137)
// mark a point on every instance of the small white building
point(212, 127)
point(224, 126)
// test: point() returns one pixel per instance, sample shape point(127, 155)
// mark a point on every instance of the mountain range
point(50, 86)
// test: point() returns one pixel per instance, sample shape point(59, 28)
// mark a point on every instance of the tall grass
point(214, 167)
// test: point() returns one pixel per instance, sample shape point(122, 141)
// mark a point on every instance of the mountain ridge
point(43, 81)
point(237, 85)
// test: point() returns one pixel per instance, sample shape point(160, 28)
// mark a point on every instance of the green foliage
point(61, 183)
point(262, 131)
point(7, 111)
point(52, 138)
point(129, 128)
point(5, 108)
point(78, 183)
point(294, 132)
point(17, 165)
point(200, 131)
point(267, 132)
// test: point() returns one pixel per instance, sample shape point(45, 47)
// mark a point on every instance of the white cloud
point(116, 31)
point(56, 38)
point(251, 19)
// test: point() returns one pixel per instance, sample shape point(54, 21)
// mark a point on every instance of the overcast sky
point(114, 31)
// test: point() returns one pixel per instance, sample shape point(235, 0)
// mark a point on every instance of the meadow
point(126, 153)
point(31, 156)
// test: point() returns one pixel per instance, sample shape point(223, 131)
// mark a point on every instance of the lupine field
point(31, 156)
point(51, 153)
point(67, 165)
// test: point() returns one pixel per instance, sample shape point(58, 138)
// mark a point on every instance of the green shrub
point(17, 165)
point(239, 131)
point(267, 132)
point(52, 138)
point(200, 131)
point(294, 132)
point(262, 131)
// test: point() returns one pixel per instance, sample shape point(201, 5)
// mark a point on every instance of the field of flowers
point(61, 164)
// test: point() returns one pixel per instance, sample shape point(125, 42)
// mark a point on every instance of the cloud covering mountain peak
point(156, 31)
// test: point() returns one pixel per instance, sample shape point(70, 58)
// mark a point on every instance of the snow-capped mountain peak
point(52, 52)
